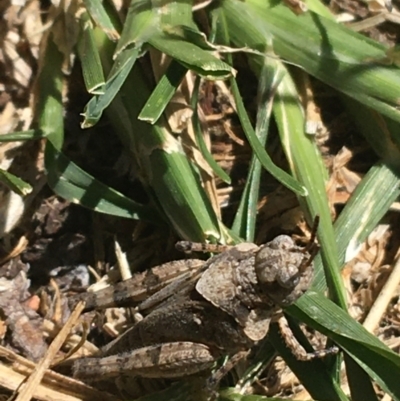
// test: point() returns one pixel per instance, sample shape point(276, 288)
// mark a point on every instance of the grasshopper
point(197, 311)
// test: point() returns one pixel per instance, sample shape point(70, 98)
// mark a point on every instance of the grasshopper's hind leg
point(169, 360)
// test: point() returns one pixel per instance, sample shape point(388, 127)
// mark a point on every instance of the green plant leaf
point(281, 175)
point(329, 51)
point(15, 183)
point(163, 93)
point(72, 183)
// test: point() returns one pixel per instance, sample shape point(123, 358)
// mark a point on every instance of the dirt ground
point(50, 248)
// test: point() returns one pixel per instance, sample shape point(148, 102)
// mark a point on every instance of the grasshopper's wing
point(229, 282)
point(140, 287)
point(173, 292)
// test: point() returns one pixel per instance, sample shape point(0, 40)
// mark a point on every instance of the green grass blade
point(359, 217)
point(163, 93)
point(281, 175)
point(245, 218)
point(369, 352)
point(164, 27)
point(15, 183)
point(101, 17)
point(22, 135)
point(365, 208)
point(168, 176)
point(362, 213)
point(199, 137)
point(140, 24)
point(95, 107)
point(173, 180)
point(327, 50)
point(90, 59)
point(64, 177)
point(360, 385)
point(77, 186)
point(175, 13)
point(139, 28)
point(306, 165)
point(49, 109)
point(193, 57)
point(182, 40)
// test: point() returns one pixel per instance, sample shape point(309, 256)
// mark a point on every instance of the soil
point(51, 248)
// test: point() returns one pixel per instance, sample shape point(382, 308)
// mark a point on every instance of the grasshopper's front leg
point(169, 360)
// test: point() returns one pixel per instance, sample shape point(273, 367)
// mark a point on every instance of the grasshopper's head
point(284, 270)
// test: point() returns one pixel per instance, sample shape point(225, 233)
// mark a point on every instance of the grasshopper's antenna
point(189, 247)
point(312, 243)
point(312, 247)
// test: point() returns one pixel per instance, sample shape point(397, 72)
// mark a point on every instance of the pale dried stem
point(123, 263)
point(34, 380)
point(381, 303)
point(17, 250)
point(375, 20)
point(51, 329)
point(201, 5)
point(55, 386)
point(11, 380)
point(57, 314)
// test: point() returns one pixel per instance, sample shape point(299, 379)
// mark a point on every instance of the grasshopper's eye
point(288, 281)
point(280, 268)
point(267, 263)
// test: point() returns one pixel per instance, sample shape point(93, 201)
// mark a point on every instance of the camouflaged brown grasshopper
point(197, 311)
